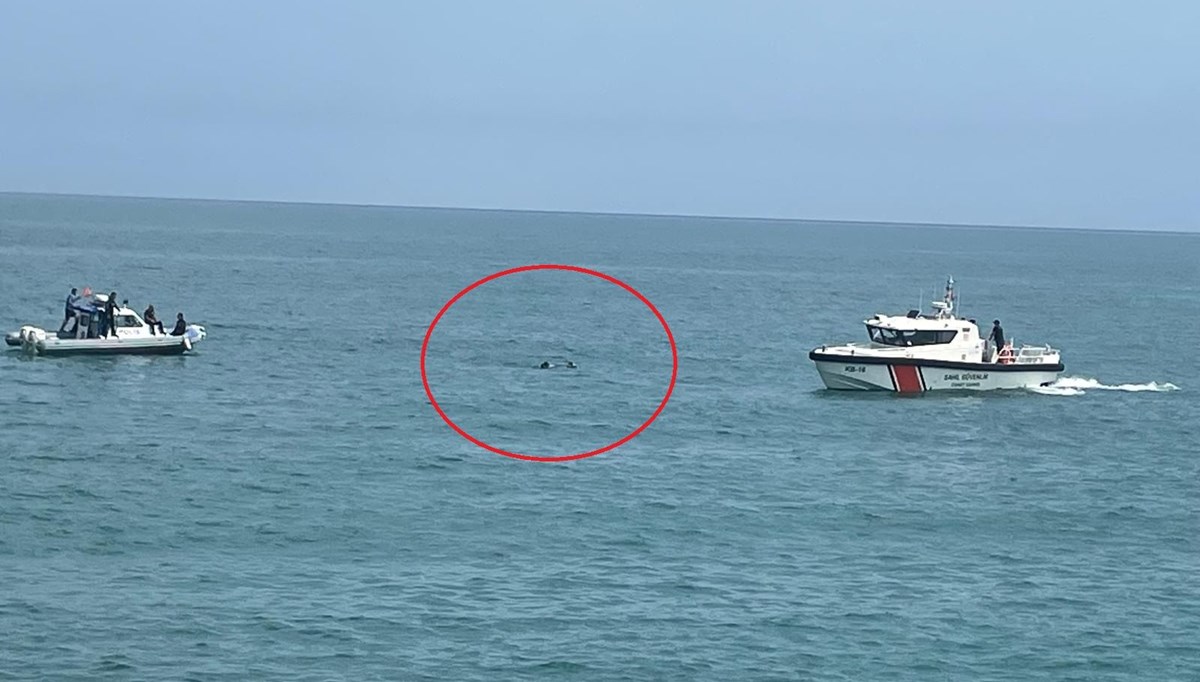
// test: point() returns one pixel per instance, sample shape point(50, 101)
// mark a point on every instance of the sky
point(1075, 114)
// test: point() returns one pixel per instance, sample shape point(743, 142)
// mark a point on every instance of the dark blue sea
point(286, 504)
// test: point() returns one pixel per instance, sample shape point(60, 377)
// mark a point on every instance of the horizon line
point(632, 214)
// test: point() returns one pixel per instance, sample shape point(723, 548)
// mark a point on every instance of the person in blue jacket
point(69, 313)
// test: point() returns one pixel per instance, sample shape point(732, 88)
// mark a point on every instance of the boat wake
point(1080, 385)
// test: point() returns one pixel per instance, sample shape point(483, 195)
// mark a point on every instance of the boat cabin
point(87, 320)
point(904, 332)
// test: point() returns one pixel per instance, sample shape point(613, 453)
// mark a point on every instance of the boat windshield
point(127, 321)
point(895, 337)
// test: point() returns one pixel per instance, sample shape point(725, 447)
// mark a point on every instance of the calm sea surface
point(286, 504)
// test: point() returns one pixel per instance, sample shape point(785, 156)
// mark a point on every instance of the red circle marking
point(564, 458)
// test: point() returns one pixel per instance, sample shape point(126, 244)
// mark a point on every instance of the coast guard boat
point(133, 337)
point(917, 352)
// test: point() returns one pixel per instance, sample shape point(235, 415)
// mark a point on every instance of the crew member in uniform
point(997, 336)
point(110, 314)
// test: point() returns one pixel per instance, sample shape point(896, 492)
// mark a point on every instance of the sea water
point(286, 503)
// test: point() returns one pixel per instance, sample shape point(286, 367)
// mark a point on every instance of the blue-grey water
point(285, 504)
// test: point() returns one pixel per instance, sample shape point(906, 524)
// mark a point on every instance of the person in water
point(69, 314)
point(110, 315)
point(546, 364)
point(997, 335)
point(152, 320)
point(180, 326)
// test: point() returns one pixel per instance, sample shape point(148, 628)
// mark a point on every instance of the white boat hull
point(37, 342)
point(918, 376)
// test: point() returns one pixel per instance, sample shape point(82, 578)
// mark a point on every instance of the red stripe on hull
point(907, 378)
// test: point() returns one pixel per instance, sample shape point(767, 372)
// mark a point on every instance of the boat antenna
point(945, 307)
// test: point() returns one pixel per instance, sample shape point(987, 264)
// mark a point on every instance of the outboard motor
point(192, 335)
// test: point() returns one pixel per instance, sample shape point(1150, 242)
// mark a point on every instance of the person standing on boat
point(72, 299)
point(180, 326)
point(152, 320)
point(997, 335)
point(110, 315)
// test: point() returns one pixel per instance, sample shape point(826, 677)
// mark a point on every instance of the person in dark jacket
point(180, 326)
point(152, 320)
point(110, 315)
point(997, 335)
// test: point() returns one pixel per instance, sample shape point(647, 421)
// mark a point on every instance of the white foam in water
point(1056, 390)
point(1080, 385)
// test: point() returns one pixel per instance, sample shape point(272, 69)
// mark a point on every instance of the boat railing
point(1025, 355)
